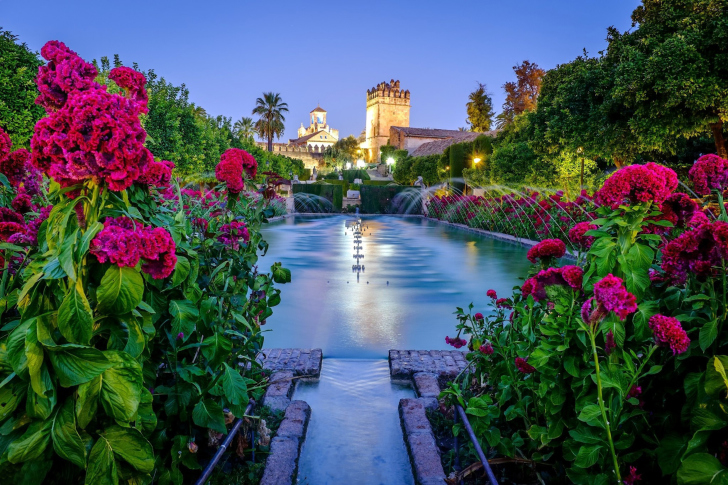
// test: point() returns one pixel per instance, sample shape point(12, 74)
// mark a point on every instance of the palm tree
point(244, 128)
point(270, 108)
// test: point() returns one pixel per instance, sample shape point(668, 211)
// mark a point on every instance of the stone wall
point(387, 105)
point(312, 157)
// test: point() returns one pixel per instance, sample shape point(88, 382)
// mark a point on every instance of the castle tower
point(387, 105)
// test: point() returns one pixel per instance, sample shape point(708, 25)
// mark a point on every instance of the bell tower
point(387, 105)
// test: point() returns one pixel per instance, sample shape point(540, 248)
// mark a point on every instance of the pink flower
point(15, 166)
point(697, 251)
point(486, 349)
point(22, 203)
point(528, 288)
point(478, 316)
point(523, 366)
point(157, 248)
point(158, 174)
point(546, 249)
point(232, 233)
point(5, 145)
point(65, 73)
point(503, 303)
point(668, 332)
point(456, 342)
point(230, 169)
point(610, 293)
point(491, 294)
point(133, 83)
point(679, 208)
point(635, 392)
point(710, 172)
point(632, 477)
point(609, 344)
point(180, 336)
point(576, 234)
point(636, 184)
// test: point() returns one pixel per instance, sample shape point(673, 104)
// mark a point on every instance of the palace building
point(318, 134)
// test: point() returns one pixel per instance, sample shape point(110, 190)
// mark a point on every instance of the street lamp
point(476, 160)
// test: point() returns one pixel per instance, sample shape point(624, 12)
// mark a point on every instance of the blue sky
point(228, 53)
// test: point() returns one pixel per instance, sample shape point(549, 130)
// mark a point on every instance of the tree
point(480, 109)
point(522, 94)
point(343, 151)
point(672, 71)
point(244, 128)
point(18, 111)
point(270, 108)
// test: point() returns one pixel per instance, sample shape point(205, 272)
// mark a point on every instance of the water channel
point(415, 273)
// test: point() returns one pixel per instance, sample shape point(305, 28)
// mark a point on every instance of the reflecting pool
point(415, 273)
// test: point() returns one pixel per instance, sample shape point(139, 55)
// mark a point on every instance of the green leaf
point(181, 271)
point(75, 319)
point(590, 413)
point(281, 274)
point(32, 443)
point(587, 456)
point(34, 355)
point(236, 391)
point(121, 386)
point(10, 397)
point(16, 347)
point(66, 440)
point(640, 256)
point(146, 420)
point(75, 365)
point(701, 469)
point(184, 317)
point(208, 414)
point(120, 291)
point(90, 233)
point(41, 405)
point(101, 465)
point(716, 380)
point(708, 334)
point(129, 445)
point(216, 349)
point(87, 401)
point(135, 343)
point(65, 257)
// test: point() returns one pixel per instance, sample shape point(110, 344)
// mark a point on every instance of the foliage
point(409, 168)
point(244, 129)
point(18, 68)
point(390, 199)
point(270, 109)
point(343, 151)
point(353, 174)
point(318, 197)
point(130, 317)
point(522, 94)
point(480, 109)
point(612, 370)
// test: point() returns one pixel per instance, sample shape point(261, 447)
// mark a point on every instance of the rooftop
point(318, 109)
point(432, 133)
point(438, 146)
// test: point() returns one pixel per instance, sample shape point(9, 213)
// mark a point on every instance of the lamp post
point(390, 162)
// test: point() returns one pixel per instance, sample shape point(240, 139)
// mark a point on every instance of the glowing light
point(348, 165)
point(360, 163)
point(476, 160)
point(390, 161)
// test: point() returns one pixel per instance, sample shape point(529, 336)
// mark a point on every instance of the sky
point(328, 53)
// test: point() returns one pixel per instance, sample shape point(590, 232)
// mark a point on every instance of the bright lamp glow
point(360, 163)
point(348, 165)
point(476, 160)
point(390, 161)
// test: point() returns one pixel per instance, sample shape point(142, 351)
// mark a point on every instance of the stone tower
point(387, 105)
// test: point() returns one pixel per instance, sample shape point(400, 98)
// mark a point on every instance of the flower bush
point(617, 373)
point(128, 333)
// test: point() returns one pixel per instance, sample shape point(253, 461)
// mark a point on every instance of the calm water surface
point(416, 273)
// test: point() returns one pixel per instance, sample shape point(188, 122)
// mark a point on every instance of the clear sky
point(229, 52)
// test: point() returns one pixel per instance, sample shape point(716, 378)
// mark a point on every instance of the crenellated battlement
point(388, 90)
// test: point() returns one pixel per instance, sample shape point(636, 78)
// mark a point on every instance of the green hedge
point(306, 174)
point(376, 199)
point(359, 173)
point(331, 192)
point(379, 182)
point(343, 183)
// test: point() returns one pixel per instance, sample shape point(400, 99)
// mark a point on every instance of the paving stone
point(445, 364)
point(424, 455)
point(295, 420)
point(426, 384)
point(302, 362)
point(279, 392)
point(281, 467)
point(414, 419)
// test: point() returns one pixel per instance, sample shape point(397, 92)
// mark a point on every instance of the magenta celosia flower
point(679, 208)
point(95, 136)
point(546, 249)
point(486, 349)
point(22, 203)
point(5, 145)
point(668, 332)
point(456, 342)
point(232, 233)
point(10, 223)
point(503, 303)
point(528, 288)
point(231, 167)
point(64, 74)
point(576, 234)
point(133, 83)
point(157, 249)
point(610, 293)
point(478, 316)
point(15, 166)
point(632, 477)
point(200, 224)
point(586, 310)
point(710, 172)
point(635, 392)
point(492, 294)
point(180, 336)
point(523, 366)
point(609, 344)
point(158, 174)
point(697, 220)
point(636, 184)
point(697, 251)
point(566, 276)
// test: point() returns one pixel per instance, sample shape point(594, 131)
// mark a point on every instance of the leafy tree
point(244, 128)
point(522, 94)
point(18, 111)
point(343, 151)
point(270, 108)
point(480, 109)
point(672, 71)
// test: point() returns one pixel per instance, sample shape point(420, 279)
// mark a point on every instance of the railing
point(476, 444)
point(223, 447)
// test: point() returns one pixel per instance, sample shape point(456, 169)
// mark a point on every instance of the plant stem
point(601, 406)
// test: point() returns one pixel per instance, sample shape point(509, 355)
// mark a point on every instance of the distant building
point(387, 106)
point(426, 141)
point(318, 134)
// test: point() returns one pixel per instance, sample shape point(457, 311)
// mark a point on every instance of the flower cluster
point(486, 349)
point(491, 294)
point(158, 174)
point(11, 223)
point(65, 73)
point(566, 276)
point(125, 242)
point(636, 184)
point(578, 237)
point(133, 83)
point(232, 233)
point(523, 366)
point(610, 293)
point(668, 332)
point(696, 251)
point(231, 167)
point(546, 250)
point(710, 172)
point(456, 342)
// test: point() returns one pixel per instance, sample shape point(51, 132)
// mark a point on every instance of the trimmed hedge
point(379, 182)
point(331, 192)
point(343, 183)
point(377, 199)
point(359, 173)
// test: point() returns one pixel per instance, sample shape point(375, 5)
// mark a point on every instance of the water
point(416, 273)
